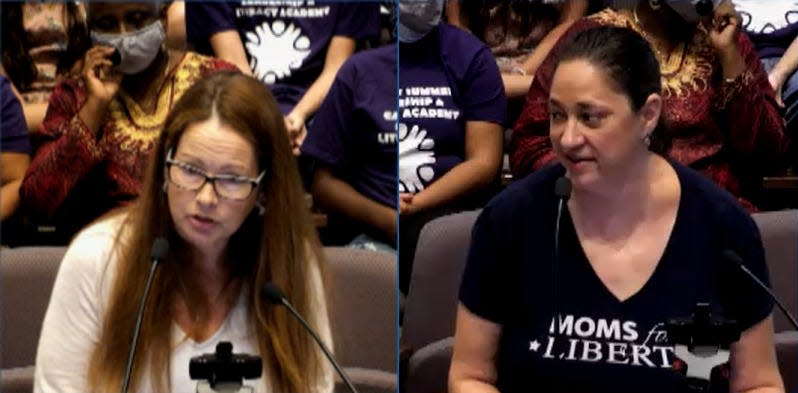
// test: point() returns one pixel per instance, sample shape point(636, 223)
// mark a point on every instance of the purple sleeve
point(331, 131)
point(476, 77)
point(14, 128)
point(204, 19)
point(482, 94)
point(358, 20)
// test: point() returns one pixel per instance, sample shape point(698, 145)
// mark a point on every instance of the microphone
point(704, 7)
point(158, 252)
point(562, 190)
point(116, 57)
point(274, 295)
point(733, 257)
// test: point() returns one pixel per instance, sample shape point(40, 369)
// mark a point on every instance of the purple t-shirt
point(14, 128)
point(447, 78)
point(354, 131)
point(285, 41)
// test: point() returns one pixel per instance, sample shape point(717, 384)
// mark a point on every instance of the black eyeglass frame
point(254, 182)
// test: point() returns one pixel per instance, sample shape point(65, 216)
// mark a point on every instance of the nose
point(206, 195)
point(571, 135)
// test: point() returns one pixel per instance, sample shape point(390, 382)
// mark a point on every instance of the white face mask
point(693, 10)
point(137, 49)
point(417, 18)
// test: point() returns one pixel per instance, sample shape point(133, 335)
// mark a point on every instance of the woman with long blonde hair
point(223, 188)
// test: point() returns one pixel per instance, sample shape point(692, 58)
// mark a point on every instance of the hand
point(406, 205)
point(777, 81)
point(102, 83)
point(297, 131)
point(723, 29)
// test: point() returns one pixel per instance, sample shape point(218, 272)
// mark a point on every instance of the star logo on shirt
point(534, 345)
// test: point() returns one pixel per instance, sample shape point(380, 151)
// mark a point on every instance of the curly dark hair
point(476, 14)
point(17, 61)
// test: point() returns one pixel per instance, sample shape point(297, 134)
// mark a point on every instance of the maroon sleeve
point(756, 128)
point(67, 153)
point(530, 147)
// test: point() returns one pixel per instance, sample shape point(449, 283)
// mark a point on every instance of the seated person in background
point(295, 49)
point(15, 149)
point(640, 242)
point(101, 126)
point(451, 107)
point(720, 109)
point(519, 33)
point(774, 31)
point(224, 190)
point(352, 144)
point(42, 43)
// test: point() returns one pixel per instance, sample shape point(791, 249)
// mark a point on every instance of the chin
point(197, 240)
point(586, 181)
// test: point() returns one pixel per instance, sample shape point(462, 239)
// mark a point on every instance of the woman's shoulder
point(93, 250)
point(106, 226)
point(459, 46)
point(370, 57)
point(99, 236)
point(375, 62)
point(708, 200)
point(456, 35)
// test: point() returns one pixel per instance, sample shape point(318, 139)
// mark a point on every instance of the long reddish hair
point(280, 246)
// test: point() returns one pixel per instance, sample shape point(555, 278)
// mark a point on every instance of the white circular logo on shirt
point(276, 49)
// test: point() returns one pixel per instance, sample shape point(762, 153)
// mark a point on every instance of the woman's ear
point(651, 112)
point(260, 198)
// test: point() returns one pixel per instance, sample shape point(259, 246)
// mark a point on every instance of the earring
point(261, 209)
point(655, 4)
point(164, 186)
point(647, 140)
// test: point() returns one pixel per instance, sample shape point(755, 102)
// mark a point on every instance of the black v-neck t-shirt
point(603, 344)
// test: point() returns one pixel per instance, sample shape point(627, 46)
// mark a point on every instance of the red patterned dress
point(75, 175)
point(731, 132)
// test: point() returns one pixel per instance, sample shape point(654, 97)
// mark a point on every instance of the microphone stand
point(275, 295)
point(323, 347)
point(562, 189)
point(159, 249)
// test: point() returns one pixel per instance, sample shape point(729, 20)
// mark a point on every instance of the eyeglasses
point(191, 178)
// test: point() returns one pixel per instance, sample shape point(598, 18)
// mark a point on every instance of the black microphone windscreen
point(732, 256)
point(562, 188)
point(272, 293)
point(159, 249)
point(116, 58)
point(704, 7)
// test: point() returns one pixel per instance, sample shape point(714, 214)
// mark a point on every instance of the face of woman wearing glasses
point(207, 216)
